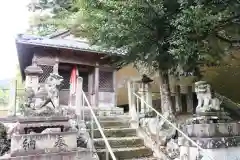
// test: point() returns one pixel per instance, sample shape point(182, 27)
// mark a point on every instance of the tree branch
point(226, 39)
point(152, 8)
point(226, 21)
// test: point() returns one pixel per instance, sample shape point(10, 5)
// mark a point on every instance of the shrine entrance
point(65, 70)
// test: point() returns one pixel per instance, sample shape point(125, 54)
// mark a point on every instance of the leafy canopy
point(161, 34)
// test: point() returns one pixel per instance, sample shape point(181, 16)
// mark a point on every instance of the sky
point(14, 19)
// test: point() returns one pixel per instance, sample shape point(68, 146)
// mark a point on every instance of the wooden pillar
point(55, 71)
point(12, 99)
point(178, 100)
point(132, 105)
point(79, 97)
point(131, 99)
point(114, 88)
point(96, 85)
point(129, 87)
point(90, 87)
point(190, 100)
point(149, 96)
point(142, 93)
point(56, 65)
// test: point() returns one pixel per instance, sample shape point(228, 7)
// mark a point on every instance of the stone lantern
point(32, 76)
point(145, 92)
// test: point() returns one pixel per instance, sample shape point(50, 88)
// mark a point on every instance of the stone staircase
point(123, 139)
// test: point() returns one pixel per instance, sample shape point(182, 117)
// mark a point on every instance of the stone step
point(115, 132)
point(126, 153)
point(103, 112)
point(109, 112)
point(114, 118)
point(144, 158)
point(119, 142)
point(109, 124)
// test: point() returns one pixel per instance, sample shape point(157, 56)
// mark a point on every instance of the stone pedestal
point(43, 138)
point(216, 133)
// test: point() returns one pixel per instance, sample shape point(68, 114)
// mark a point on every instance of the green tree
point(20, 88)
point(54, 16)
point(164, 36)
point(3, 96)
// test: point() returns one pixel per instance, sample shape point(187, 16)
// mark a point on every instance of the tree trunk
point(198, 74)
point(166, 102)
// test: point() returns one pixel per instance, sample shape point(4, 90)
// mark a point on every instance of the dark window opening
point(66, 79)
point(46, 73)
point(106, 81)
point(65, 71)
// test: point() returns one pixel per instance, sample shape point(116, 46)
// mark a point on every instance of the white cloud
point(14, 19)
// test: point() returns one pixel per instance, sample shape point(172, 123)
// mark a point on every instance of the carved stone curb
point(42, 155)
point(213, 143)
point(213, 130)
point(208, 120)
point(33, 119)
point(34, 135)
point(215, 113)
point(45, 124)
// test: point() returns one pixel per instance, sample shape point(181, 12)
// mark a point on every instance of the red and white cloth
point(73, 80)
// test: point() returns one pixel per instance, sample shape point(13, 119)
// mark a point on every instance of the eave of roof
point(24, 43)
point(59, 43)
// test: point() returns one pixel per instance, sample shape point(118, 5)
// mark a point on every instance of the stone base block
point(192, 153)
point(47, 142)
point(108, 111)
point(213, 130)
point(72, 155)
point(212, 143)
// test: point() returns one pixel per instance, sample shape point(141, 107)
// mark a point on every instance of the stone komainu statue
point(37, 102)
point(206, 98)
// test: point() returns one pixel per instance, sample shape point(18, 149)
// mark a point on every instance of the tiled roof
point(75, 44)
point(58, 43)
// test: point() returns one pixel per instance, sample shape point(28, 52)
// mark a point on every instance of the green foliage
point(160, 34)
point(20, 84)
point(56, 15)
point(4, 94)
point(5, 143)
point(5, 90)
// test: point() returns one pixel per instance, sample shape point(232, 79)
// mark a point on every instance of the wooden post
point(55, 70)
point(114, 88)
point(12, 99)
point(132, 105)
point(131, 99)
point(79, 97)
point(96, 85)
point(15, 98)
point(56, 65)
point(178, 100)
point(190, 100)
point(142, 93)
point(90, 87)
point(149, 96)
point(129, 87)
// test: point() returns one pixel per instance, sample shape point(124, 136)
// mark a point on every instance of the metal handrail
point(175, 127)
point(99, 127)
